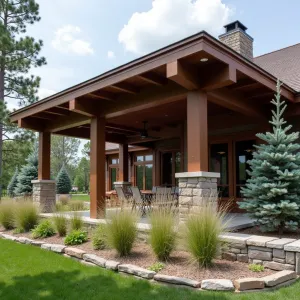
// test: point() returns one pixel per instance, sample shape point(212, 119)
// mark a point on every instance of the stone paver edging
point(266, 283)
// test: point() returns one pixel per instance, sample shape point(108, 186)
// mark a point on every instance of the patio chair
point(121, 195)
point(163, 198)
point(154, 188)
point(138, 201)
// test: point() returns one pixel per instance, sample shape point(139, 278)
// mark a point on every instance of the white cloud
point(171, 20)
point(111, 54)
point(65, 41)
point(43, 93)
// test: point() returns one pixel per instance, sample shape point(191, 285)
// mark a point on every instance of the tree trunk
point(1, 126)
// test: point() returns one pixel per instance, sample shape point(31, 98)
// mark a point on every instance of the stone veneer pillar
point(195, 189)
point(44, 195)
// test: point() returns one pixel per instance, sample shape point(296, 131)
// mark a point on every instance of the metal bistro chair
point(163, 198)
point(121, 195)
point(138, 201)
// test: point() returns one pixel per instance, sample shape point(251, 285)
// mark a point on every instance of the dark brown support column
point(44, 156)
point(197, 138)
point(97, 173)
point(123, 162)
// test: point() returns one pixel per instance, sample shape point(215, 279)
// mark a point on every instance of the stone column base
point(44, 195)
point(196, 189)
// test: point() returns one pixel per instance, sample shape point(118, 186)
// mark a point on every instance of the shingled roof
point(284, 64)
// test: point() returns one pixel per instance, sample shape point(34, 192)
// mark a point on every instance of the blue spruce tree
point(272, 194)
point(63, 181)
point(13, 184)
point(28, 173)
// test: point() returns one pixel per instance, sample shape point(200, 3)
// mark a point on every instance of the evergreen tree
point(272, 194)
point(18, 54)
point(13, 184)
point(28, 173)
point(63, 182)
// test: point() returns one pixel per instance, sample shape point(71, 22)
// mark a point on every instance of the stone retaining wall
point(271, 252)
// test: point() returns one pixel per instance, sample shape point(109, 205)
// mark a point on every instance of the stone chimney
point(236, 38)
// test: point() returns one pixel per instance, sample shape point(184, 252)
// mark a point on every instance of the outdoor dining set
point(146, 200)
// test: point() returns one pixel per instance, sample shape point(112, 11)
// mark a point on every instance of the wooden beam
point(153, 78)
point(63, 123)
point(31, 124)
point(102, 95)
point(197, 135)
point(44, 156)
point(245, 83)
point(125, 87)
point(43, 116)
point(123, 162)
point(83, 107)
point(218, 77)
point(182, 75)
point(59, 111)
point(236, 102)
point(97, 171)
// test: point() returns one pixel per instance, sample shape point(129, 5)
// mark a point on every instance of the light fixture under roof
point(204, 59)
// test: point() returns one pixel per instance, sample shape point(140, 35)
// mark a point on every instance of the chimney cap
point(235, 25)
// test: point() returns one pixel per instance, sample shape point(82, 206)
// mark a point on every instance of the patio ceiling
point(153, 88)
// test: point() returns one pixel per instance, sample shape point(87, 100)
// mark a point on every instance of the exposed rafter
point(153, 78)
point(59, 111)
point(84, 107)
point(102, 95)
point(125, 87)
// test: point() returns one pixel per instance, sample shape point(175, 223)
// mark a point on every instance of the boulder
point(279, 277)
point(92, 258)
point(177, 280)
point(75, 252)
point(112, 265)
point(137, 271)
point(244, 284)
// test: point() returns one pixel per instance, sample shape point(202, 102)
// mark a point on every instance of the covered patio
point(193, 107)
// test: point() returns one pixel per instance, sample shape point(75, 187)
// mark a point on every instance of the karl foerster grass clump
point(76, 237)
point(43, 230)
point(76, 222)
point(60, 224)
point(122, 231)
point(26, 216)
point(7, 209)
point(162, 233)
point(202, 229)
point(99, 237)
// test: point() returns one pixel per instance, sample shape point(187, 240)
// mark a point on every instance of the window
point(113, 169)
point(144, 171)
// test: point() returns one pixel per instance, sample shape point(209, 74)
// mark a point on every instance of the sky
point(84, 38)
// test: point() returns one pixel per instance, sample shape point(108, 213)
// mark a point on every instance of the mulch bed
point(180, 263)
point(255, 231)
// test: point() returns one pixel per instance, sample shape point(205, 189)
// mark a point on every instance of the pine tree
point(13, 184)
point(28, 173)
point(18, 54)
point(272, 194)
point(63, 182)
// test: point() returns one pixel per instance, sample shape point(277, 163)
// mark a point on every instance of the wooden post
point(123, 162)
point(97, 173)
point(44, 156)
point(197, 137)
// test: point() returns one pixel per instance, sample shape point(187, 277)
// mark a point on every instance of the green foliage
point(256, 268)
point(43, 230)
point(13, 184)
point(99, 237)
point(156, 267)
point(60, 224)
point(201, 233)
point(28, 173)
point(272, 194)
point(7, 209)
point(26, 216)
point(76, 237)
point(63, 182)
point(162, 233)
point(122, 231)
point(82, 177)
point(76, 205)
point(76, 222)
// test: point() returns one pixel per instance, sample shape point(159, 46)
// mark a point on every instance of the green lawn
point(81, 197)
point(27, 272)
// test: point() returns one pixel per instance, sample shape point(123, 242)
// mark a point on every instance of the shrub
point(156, 267)
point(76, 237)
point(76, 222)
point(99, 237)
point(76, 205)
point(7, 214)
point(63, 181)
point(202, 229)
point(44, 229)
point(26, 216)
point(256, 268)
point(60, 224)
point(122, 231)
point(162, 234)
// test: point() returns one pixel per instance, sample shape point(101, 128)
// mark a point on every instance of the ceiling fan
point(144, 132)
